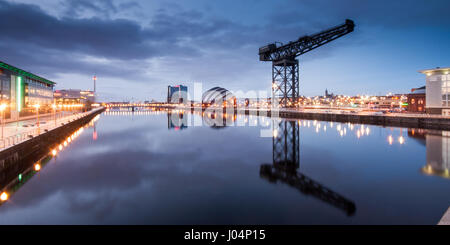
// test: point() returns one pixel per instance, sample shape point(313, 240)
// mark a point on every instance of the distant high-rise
point(177, 94)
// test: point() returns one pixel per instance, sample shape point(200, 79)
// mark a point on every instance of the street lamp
point(2, 109)
point(37, 112)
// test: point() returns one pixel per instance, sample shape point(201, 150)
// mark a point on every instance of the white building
point(438, 91)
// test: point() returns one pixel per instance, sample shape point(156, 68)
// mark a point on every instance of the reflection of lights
point(358, 134)
point(342, 133)
point(317, 129)
point(275, 133)
point(390, 139)
point(331, 124)
point(338, 127)
point(324, 127)
point(54, 152)
point(401, 140)
point(367, 131)
point(4, 196)
point(37, 167)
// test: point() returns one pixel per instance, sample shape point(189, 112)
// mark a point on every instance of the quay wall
point(380, 120)
point(42, 144)
point(425, 122)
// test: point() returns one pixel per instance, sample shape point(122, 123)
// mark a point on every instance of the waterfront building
point(218, 95)
point(416, 100)
point(437, 90)
point(177, 94)
point(23, 92)
point(74, 97)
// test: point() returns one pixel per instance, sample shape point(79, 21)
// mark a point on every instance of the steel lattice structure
point(286, 162)
point(286, 145)
point(285, 68)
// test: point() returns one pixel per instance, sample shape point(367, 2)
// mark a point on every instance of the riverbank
point(43, 142)
point(424, 121)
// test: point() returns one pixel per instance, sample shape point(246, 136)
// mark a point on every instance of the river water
point(146, 168)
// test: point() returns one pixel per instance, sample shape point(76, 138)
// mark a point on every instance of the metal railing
point(20, 137)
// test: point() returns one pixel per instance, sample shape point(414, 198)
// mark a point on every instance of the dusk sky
point(137, 48)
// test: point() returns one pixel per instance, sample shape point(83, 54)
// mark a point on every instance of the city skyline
point(137, 48)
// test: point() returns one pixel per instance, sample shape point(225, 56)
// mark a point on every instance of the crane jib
point(285, 66)
point(304, 44)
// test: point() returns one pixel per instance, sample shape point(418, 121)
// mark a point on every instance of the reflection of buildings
point(177, 120)
point(438, 153)
point(219, 119)
point(437, 148)
point(286, 162)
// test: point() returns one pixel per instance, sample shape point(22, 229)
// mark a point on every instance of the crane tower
point(285, 70)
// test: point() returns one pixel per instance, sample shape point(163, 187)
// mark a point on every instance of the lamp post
point(37, 112)
point(2, 109)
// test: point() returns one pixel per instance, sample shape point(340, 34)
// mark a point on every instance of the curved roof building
point(216, 94)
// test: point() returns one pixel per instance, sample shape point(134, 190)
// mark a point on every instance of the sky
point(137, 48)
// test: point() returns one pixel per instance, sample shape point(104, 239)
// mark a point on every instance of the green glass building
point(20, 90)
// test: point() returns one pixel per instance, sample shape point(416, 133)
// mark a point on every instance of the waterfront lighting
point(37, 167)
point(401, 140)
point(390, 139)
point(4, 196)
point(60, 147)
point(54, 152)
point(65, 143)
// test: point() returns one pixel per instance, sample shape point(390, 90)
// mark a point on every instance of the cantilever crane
point(285, 83)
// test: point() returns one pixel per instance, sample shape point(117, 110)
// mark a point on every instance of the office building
point(22, 91)
point(177, 94)
point(437, 90)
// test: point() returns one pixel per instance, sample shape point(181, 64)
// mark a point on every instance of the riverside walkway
point(16, 132)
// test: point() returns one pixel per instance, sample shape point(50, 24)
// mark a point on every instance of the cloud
point(161, 42)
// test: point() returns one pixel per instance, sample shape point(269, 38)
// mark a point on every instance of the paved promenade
point(445, 219)
point(19, 131)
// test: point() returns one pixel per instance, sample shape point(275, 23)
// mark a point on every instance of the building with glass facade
point(74, 97)
point(437, 90)
point(21, 90)
point(177, 94)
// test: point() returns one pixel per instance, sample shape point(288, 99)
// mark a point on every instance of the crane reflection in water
point(286, 156)
point(286, 162)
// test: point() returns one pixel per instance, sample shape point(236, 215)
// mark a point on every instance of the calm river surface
point(142, 168)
